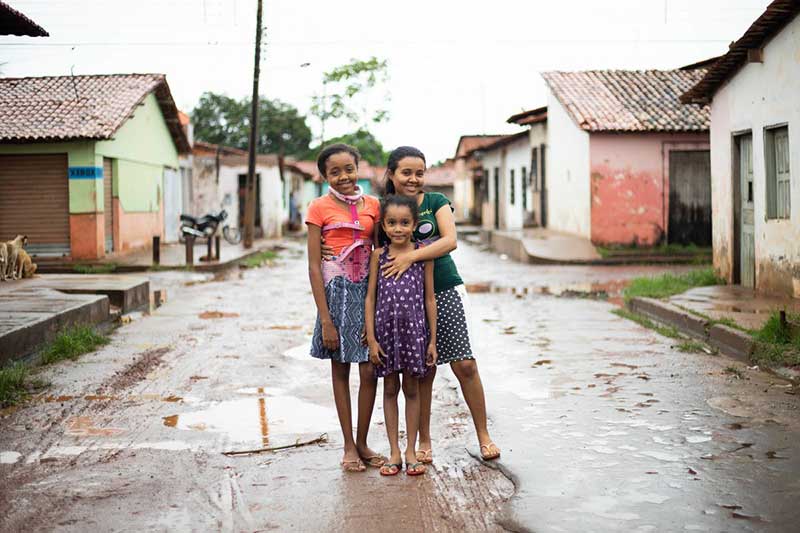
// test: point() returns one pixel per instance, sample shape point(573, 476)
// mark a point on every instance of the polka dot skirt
point(452, 333)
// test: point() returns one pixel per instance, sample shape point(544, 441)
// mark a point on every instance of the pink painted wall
point(136, 229)
point(630, 184)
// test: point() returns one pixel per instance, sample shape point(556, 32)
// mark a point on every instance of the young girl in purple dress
point(400, 339)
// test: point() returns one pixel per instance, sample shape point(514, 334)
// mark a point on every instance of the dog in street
point(3, 260)
point(26, 267)
point(14, 246)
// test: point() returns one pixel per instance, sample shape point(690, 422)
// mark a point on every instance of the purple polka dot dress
point(400, 325)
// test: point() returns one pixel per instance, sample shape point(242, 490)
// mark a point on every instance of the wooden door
point(496, 198)
point(690, 198)
point(747, 242)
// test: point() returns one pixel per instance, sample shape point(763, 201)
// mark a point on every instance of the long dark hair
point(394, 159)
point(400, 201)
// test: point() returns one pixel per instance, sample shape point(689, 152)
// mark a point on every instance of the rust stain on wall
point(627, 207)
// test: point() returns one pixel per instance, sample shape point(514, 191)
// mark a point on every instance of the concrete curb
point(729, 341)
point(672, 315)
point(28, 338)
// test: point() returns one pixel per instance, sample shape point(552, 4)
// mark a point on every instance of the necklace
point(351, 199)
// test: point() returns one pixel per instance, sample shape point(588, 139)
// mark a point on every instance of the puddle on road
point(609, 290)
point(211, 315)
point(299, 352)
point(257, 418)
point(84, 426)
point(9, 458)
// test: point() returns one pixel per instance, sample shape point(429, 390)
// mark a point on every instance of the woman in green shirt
point(437, 230)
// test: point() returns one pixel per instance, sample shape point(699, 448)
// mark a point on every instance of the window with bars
point(776, 147)
point(535, 168)
point(512, 186)
point(524, 186)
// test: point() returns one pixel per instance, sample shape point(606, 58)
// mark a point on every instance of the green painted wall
point(140, 150)
point(144, 138)
point(138, 185)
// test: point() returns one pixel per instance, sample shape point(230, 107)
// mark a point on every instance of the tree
point(371, 148)
point(220, 119)
point(346, 91)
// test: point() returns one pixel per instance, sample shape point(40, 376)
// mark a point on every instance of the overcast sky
point(456, 67)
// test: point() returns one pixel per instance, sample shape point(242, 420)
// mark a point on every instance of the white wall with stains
point(759, 96)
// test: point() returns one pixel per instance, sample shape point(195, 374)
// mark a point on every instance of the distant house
point(505, 164)
point(754, 92)
point(206, 195)
point(440, 178)
point(627, 163)
point(12, 22)
point(469, 183)
point(85, 161)
point(535, 183)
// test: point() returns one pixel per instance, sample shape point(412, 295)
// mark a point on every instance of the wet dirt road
point(604, 426)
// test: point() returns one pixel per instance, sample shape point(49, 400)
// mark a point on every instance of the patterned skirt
point(346, 306)
point(452, 329)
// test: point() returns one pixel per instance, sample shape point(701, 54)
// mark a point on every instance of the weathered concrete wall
point(492, 159)
point(463, 199)
point(630, 185)
point(568, 191)
point(271, 199)
point(760, 95)
point(537, 137)
point(517, 157)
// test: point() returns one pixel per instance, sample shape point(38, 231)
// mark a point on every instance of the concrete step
point(30, 318)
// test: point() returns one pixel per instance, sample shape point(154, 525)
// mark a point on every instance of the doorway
point(496, 198)
point(689, 198)
point(744, 249)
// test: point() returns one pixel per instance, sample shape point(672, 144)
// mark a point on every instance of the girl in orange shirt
point(347, 219)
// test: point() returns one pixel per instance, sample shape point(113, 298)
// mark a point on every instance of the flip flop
point(490, 454)
point(353, 466)
point(412, 469)
point(425, 456)
point(386, 469)
point(375, 461)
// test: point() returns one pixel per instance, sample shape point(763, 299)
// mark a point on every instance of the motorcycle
point(207, 225)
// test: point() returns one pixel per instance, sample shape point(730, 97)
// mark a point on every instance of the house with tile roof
point(12, 22)
point(628, 163)
point(755, 152)
point(87, 162)
point(469, 183)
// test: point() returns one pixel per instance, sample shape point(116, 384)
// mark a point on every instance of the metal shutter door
point(34, 201)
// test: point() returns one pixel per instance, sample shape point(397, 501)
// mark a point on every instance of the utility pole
point(250, 188)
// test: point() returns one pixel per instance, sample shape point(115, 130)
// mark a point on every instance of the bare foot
point(413, 467)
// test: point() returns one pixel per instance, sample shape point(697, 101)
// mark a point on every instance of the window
point(776, 146)
point(524, 187)
point(535, 169)
point(512, 182)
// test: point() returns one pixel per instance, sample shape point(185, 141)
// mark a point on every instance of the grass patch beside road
point(12, 384)
point(259, 259)
point(72, 343)
point(777, 342)
point(670, 284)
point(107, 268)
point(666, 331)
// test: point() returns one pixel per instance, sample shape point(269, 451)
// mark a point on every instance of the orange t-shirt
point(326, 210)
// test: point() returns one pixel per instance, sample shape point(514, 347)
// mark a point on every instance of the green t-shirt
point(445, 274)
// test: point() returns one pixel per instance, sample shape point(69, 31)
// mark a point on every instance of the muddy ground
point(604, 425)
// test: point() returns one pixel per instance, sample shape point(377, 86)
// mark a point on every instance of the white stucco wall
point(760, 95)
point(492, 159)
point(568, 185)
point(272, 211)
point(537, 136)
point(517, 156)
